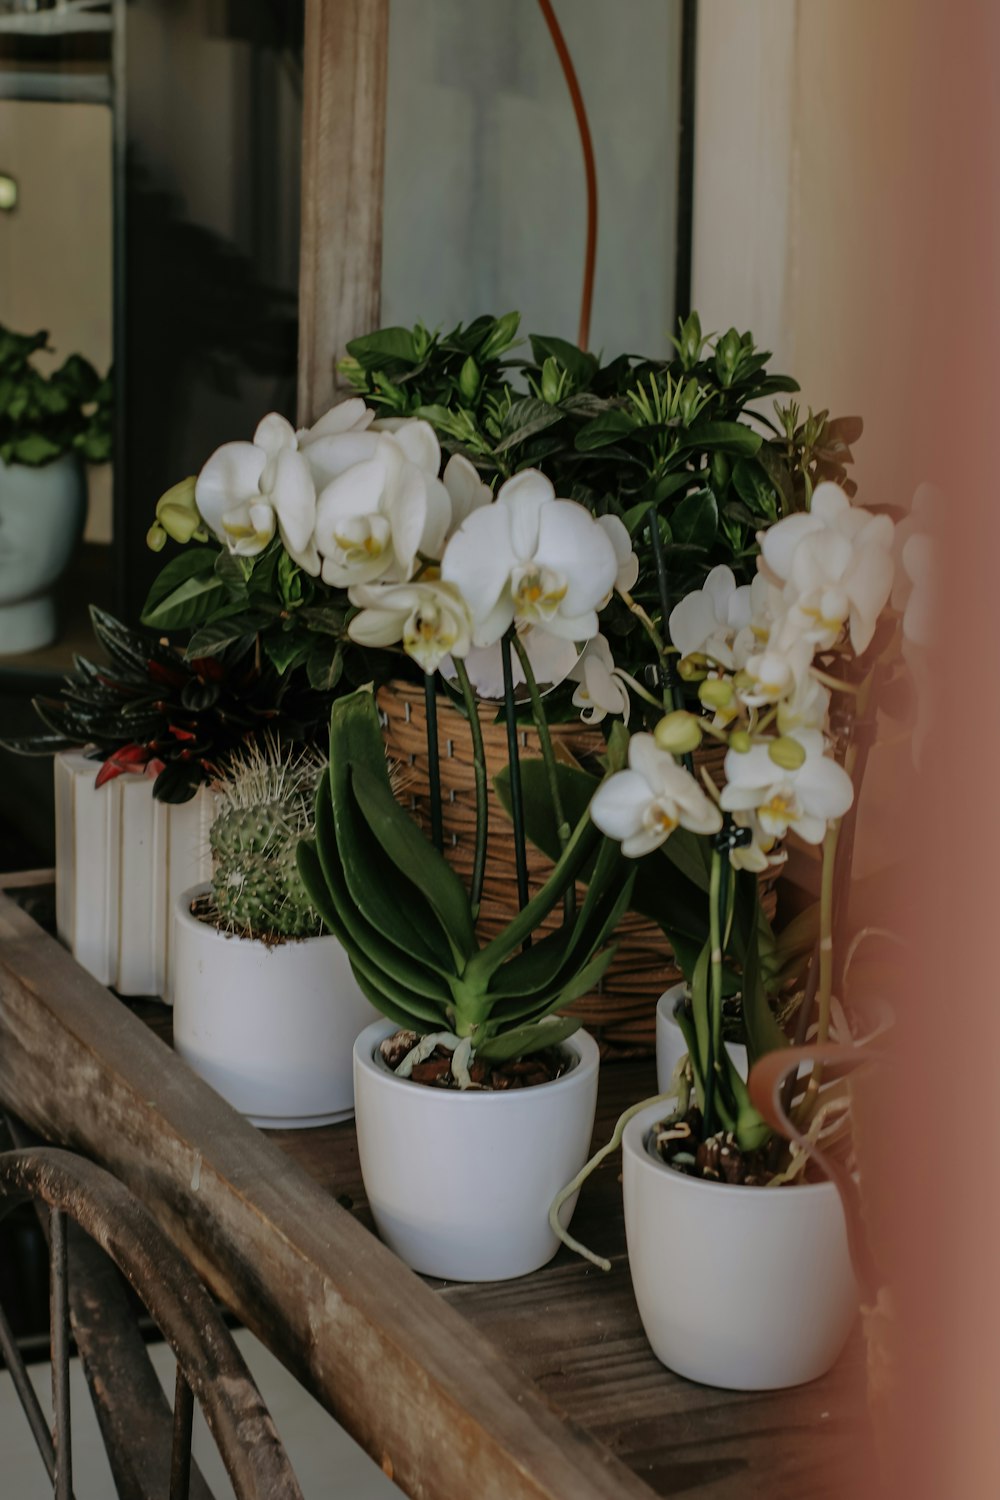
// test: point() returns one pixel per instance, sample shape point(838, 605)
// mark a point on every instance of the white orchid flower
point(532, 558)
point(709, 619)
point(807, 707)
point(834, 566)
point(431, 619)
point(775, 673)
point(245, 490)
point(628, 562)
point(805, 799)
point(551, 659)
point(755, 856)
point(466, 490)
point(376, 515)
point(601, 689)
point(642, 806)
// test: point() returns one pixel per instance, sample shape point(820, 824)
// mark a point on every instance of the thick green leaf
point(373, 349)
point(694, 521)
point(605, 430)
point(582, 367)
point(415, 857)
point(374, 901)
point(732, 437)
point(186, 593)
point(526, 418)
point(387, 898)
point(527, 1039)
point(325, 666)
point(217, 634)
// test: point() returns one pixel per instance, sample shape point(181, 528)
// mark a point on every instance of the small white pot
point(269, 1026)
point(670, 1043)
point(460, 1183)
point(41, 520)
point(122, 859)
point(747, 1288)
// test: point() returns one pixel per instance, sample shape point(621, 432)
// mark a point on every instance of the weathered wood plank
point(423, 1392)
point(343, 150)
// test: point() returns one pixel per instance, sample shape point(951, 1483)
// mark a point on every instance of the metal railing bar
point(27, 1395)
point(180, 1455)
point(62, 1436)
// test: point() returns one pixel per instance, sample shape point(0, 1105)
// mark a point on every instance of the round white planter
point(270, 1027)
point(41, 519)
point(460, 1183)
point(670, 1043)
point(747, 1288)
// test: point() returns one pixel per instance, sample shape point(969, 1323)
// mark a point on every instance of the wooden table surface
point(541, 1387)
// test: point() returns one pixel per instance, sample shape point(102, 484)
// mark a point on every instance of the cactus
point(266, 806)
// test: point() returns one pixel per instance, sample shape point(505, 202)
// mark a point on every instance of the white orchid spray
point(245, 490)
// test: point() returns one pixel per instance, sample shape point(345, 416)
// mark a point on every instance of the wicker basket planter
point(622, 1012)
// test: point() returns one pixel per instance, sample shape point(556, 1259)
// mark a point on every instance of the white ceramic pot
point(122, 860)
point(42, 512)
point(460, 1183)
point(270, 1026)
point(747, 1288)
point(670, 1043)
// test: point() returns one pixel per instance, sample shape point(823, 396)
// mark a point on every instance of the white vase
point(42, 512)
point(670, 1043)
point(122, 859)
point(747, 1288)
point(271, 1026)
point(460, 1182)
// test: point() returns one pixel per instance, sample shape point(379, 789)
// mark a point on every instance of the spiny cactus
point(267, 798)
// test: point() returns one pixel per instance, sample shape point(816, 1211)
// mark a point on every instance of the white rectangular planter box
point(122, 859)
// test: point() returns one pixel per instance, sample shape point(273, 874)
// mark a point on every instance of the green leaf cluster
point(693, 435)
point(43, 417)
point(404, 916)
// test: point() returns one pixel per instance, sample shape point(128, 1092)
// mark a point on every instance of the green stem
point(715, 901)
point(516, 796)
point(433, 760)
point(826, 892)
point(482, 797)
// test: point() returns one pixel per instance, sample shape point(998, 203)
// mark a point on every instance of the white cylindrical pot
point(270, 1026)
point(122, 859)
point(670, 1043)
point(41, 520)
point(460, 1183)
point(747, 1288)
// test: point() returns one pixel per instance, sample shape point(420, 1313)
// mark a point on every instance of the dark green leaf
point(549, 1032)
point(694, 521)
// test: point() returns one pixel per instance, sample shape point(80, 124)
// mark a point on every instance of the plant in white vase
point(785, 671)
point(266, 1008)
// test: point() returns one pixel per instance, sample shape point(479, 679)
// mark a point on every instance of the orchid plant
point(788, 670)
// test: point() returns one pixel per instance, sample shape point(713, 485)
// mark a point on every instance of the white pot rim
point(633, 1144)
point(588, 1060)
point(212, 933)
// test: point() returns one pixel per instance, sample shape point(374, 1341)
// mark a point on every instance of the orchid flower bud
point(678, 732)
point(786, 752)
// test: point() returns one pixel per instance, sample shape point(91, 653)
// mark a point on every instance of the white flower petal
point(524, 498)
point(274, 432)
point(619, 804)
point(231, 477)
point(466, 490)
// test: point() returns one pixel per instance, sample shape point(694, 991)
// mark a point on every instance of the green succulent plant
point(267, 798)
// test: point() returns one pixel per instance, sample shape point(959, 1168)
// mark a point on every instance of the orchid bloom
point(641, 807)
point(755, 856)
point(804, 799)
point(532, 558)
point(430, 618)
point(834, 566)
point(376, 515)
point(601, 689)
point(340, 439)
point(466, 490)
point(709, 619)
point(628, 562)
point(245, 490)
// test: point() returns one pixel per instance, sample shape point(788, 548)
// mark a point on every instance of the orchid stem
point(716, 897)
point(433, 760)
point(482, 798)
point(824, 988)
point(516, 796)
point(549, 759)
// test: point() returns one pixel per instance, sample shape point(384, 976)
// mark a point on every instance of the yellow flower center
point(538, 592)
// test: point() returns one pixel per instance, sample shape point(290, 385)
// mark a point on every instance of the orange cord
point(590, 169)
